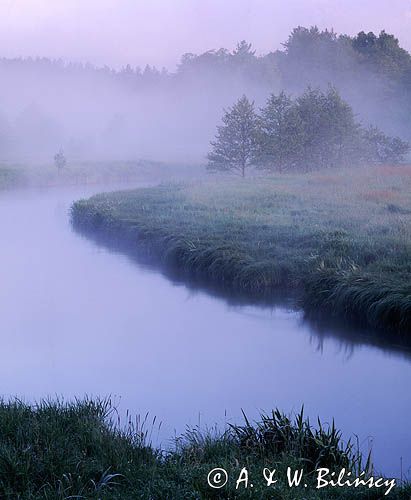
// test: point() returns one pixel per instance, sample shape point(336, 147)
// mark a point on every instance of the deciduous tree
point(235, 147)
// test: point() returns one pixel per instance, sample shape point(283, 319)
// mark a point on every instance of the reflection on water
point(77, 318)
point(350, 337)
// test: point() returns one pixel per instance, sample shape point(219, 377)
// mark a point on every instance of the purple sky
point(117, 32)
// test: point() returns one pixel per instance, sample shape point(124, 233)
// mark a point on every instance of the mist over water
point(77, 319)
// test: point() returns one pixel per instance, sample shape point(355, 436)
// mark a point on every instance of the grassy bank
point(342, 238)
point(20, 175)
point(73, 450)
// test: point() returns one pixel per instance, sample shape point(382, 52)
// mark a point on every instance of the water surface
point(76, 319)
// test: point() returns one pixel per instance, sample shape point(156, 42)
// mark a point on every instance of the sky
point(158, 32)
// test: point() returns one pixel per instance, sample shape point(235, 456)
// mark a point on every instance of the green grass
point(57, 450)
point(343, 239)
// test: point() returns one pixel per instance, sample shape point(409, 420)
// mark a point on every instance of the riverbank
point(22, 175)
point(341, 239)
point(75, 450)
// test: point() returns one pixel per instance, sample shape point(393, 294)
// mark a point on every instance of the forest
point(101, 112)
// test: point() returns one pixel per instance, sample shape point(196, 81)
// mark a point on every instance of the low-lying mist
point(99, 113)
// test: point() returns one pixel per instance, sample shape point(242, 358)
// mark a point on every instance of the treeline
point(97, 112)
point(242, 61)
point(315, 130)
point(45, 66)
point(372, 72)
point(309, 53)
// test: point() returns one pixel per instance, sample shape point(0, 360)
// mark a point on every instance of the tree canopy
point(236, 145)
point(315, 130)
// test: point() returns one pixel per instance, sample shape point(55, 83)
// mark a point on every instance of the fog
point(106, 115)
point(115, 81)
point(116, 107)
point(137, 32)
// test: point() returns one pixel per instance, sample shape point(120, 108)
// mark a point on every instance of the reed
point(78, 450)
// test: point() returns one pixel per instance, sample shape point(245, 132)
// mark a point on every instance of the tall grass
point(58, 450)
point(63, 450)
point(349, 253)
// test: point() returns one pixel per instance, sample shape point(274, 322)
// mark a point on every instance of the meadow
point(340, 241)
point(46, 174)
point(81, 449)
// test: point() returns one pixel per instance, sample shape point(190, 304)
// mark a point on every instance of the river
point(77, 318)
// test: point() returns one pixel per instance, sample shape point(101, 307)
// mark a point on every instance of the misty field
point(22, 175)
point(57, 450)
point(342, 238)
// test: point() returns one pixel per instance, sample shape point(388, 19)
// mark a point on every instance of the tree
point(379, 148)
point(330, 130)
point(318, 130)
point(236, 146)
point(281, 134)
point(312, 57)
point(60, 160)
point(382, 54)
point(243, 51)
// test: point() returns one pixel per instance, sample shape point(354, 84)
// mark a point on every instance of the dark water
point(78, 319)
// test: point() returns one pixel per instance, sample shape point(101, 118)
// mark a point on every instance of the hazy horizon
point(131, 115)
point(120, 32)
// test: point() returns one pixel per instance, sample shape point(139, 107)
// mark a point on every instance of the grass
point(57, 450)
point(342, 239)
point(15, 175)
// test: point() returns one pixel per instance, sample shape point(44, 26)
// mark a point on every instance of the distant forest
point(46, 104)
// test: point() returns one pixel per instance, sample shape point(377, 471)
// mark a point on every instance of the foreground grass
point(73, 450)
point(343, 238)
